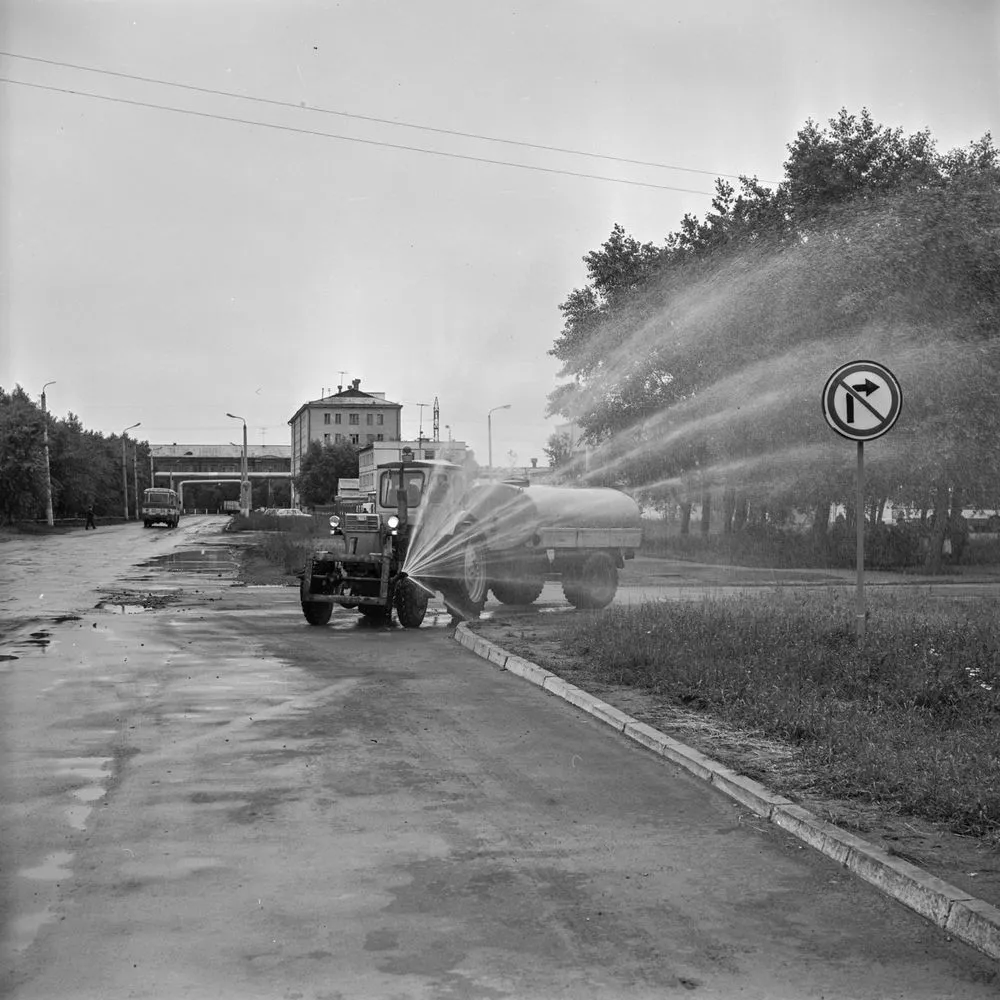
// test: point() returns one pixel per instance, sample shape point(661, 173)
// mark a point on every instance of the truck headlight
point(392, 522)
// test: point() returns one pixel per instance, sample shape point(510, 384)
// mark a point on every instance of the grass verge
point(908, 722)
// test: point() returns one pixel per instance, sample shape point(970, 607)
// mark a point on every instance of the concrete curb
point(971, 920)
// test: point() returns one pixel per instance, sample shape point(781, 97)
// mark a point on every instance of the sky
point(362, 196)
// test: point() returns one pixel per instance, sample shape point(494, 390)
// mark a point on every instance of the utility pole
point(489, 433)
point(124, 468)
point(244, 477)
point(49, 519)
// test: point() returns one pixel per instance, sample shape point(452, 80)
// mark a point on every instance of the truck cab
point(361, 564)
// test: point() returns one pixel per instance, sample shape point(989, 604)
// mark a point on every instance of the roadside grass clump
point(287, 549)
point(284, 542)
point(910, 720)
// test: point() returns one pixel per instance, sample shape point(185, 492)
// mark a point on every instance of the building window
point(379, 419)
point(369, 418)
point(354, 439)
point(428, 455)
point(339, 437)
point(336, 418)
point(355, 418)
point(326, 439)
point(379, 437)
point(326, 418)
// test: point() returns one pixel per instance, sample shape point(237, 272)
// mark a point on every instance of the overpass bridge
point(178, 465)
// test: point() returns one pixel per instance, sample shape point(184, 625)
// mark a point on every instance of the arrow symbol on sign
point(867, 387)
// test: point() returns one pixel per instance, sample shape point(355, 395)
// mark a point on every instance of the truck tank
point(519, 512)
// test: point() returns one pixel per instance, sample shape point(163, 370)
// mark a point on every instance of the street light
point(125, 470)
point(49, 520)
point(489, 433)
point(244, 479)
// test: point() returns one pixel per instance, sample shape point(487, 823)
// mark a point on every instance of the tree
point(323, 466)
point(698, 367)
point(559, 450)
point(22, 459)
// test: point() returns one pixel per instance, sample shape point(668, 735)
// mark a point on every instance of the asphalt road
point(203, 796)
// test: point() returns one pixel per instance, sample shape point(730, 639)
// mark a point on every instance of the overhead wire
point(349, 138)
point(359, 117)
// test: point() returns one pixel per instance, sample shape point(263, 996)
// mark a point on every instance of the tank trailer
point(429, 530)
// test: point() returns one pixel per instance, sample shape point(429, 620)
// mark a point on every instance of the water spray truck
point(431, 531)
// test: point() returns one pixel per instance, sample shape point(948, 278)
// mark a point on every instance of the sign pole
point(859, 517)
point(861, 401)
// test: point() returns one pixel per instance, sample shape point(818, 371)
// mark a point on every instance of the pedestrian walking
point(90, 519)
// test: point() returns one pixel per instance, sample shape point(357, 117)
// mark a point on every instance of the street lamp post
point(244, 477)
point(49, 520)
point(125, 467)
point(489, 433)
point(135, 478)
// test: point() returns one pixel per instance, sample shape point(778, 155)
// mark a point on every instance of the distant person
point(91, 523)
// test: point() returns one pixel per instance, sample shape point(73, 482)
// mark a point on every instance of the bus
point(160, 506)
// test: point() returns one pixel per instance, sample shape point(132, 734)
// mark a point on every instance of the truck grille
point(361, 522)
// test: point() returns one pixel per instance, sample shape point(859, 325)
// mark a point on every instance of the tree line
point(695, 367)
point(85, 467)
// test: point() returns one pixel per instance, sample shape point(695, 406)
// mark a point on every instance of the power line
point(348, 138)
point(359, 117)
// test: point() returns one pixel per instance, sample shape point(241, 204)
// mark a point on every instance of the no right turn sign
point(861, 400)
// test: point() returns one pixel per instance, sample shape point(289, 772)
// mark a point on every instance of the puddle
point(207, 560)
point(89, 768)
point(187, 865)
point(65, 618)
point(39, 639)
point(53, 867)
point(22, 931)
point(122, 609)
point(8, 656)
point(90, 793)
point(76, 816)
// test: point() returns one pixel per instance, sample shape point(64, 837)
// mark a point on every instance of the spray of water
point(736, 362)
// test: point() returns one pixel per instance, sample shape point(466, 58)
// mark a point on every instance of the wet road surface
point(205, 797)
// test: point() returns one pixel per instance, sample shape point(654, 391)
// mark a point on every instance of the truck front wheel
point(593, 584)
point(411, 604)
point(316, 612)
point(474, 580)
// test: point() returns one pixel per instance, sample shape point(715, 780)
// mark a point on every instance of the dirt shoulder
point(970, 863)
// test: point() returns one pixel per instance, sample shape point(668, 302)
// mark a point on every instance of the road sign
point(861, 400)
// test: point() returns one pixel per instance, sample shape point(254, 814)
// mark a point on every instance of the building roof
point(283, 451)
point(353, 396)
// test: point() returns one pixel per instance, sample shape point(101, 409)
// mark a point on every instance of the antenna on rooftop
point(437, 420)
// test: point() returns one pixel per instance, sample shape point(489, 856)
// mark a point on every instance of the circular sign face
point(861, 400)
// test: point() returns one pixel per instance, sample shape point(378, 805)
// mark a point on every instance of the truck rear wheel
point(411, 604)
point(593, 584)
point(316, 612)
point(517, 591)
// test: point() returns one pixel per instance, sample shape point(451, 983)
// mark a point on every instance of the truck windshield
point(413, 480)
